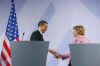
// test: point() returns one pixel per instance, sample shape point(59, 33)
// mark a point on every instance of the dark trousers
point(70, 63)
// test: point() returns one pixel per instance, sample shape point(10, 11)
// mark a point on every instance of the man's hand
point(55, 53)
point(58, 56)
point(52, 51)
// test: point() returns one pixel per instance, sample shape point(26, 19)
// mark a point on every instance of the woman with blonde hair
point(79, 37)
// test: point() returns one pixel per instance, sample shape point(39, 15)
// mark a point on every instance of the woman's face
point(75, 33)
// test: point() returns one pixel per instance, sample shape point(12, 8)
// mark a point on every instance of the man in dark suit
point(38, 34)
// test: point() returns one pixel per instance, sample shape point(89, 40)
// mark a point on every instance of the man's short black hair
point(42, 22)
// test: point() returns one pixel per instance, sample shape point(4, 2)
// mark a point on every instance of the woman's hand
point(66, 56)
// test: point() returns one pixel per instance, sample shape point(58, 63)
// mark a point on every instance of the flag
point(11, 34)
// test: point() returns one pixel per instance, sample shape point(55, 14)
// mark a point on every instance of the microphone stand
point(23, 36)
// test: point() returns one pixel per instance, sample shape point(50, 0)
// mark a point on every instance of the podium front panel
point(85, 54)
point(29, 53)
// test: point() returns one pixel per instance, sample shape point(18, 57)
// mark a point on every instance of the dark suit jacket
point(36, 36)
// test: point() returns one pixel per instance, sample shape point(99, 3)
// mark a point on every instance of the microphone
point(23, 33)
point(23, 36)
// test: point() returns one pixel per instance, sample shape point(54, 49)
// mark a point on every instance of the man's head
point(42, 26)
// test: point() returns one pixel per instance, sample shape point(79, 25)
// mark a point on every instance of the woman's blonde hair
point(79, 29)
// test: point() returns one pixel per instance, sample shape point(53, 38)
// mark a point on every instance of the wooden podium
point(26, 53)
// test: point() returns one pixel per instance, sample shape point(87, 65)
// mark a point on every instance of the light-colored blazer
point(78, 40)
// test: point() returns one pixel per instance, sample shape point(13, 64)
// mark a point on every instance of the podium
point(26, 53)
point(85, 54)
